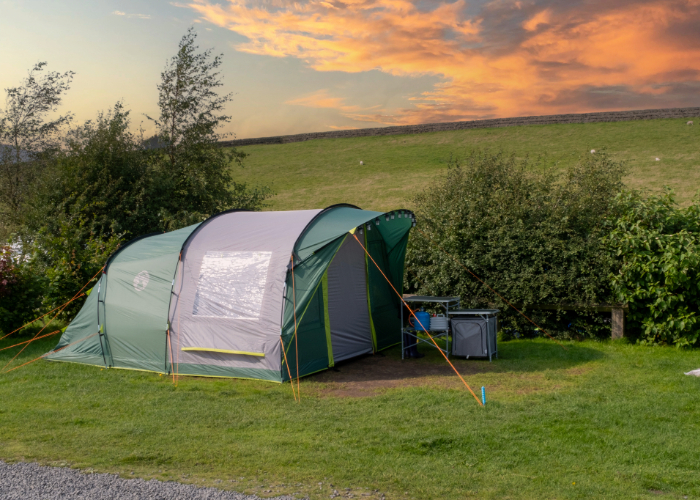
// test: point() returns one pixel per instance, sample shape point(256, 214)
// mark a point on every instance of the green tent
point(223, 298)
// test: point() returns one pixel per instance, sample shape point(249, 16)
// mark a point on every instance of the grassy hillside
point(318, 173)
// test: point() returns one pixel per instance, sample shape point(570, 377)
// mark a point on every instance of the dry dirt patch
point(372, 375)
point(375, 374)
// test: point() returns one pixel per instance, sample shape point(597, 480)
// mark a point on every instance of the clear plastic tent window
point(231, 285)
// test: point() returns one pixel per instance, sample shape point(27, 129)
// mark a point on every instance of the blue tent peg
point(483, 395)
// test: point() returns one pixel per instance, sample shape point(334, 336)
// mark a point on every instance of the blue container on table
point(423, 319)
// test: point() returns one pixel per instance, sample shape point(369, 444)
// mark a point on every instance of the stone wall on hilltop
point(607, 116)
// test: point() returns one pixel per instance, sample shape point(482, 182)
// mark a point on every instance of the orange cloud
point(542, 17)
point(321, 99)
point(508, 59)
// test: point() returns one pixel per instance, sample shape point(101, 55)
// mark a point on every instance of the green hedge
point(658, 247)
point(574, 238)
point(534, 235)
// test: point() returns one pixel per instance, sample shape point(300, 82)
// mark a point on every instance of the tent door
point(348, 312)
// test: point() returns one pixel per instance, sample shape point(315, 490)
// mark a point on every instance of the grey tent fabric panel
point(227, 307)
point(348, 310)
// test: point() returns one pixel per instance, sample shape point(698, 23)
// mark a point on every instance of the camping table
point(446, 303)
point(490, 316)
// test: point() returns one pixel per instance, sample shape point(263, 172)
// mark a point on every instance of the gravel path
point(22, 481)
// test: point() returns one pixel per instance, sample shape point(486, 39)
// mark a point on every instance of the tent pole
point(296, 342)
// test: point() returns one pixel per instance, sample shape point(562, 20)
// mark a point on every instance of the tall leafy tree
point(195, 169)
point(96, 193)
point(28, 137)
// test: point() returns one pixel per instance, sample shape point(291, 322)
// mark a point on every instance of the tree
point(97, 193)
point(27, 137)
point(195, 168)
point(103, 179)
point(105, 184)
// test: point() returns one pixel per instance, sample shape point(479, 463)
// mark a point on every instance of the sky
point(317, 65)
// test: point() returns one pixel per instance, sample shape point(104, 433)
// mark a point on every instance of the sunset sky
point(321, 65)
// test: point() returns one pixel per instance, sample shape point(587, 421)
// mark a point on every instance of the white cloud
point(124, 14)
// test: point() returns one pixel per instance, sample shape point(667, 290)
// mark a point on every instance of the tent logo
point(141, 281)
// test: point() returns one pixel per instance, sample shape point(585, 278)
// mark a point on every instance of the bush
point(19, 293)
point(7, 271)
point(67, 259)
point(658, 246)
point(534, 236)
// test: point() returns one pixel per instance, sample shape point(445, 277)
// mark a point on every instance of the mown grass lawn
point(319, 173)
point(597, 420)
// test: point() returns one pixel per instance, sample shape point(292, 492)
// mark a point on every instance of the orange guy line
point(79, 294)
point(32, 321)
point(37, 334)
point(170, 350)
point(37, 359)
point(177, 352)
point(32, 340)
point(291, 380)
point(421, 324)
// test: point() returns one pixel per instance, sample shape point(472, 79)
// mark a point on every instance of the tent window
point(231, 285)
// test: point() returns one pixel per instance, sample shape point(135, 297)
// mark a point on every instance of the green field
point(319, 173)
point(597, 420)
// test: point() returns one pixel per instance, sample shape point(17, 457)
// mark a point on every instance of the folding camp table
point(447, 303)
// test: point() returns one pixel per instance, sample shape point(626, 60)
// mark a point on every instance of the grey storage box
point(474, 333)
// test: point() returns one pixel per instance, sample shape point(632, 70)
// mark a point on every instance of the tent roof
point(329, 225)
point(336, 221)
point(182, 233)
point(326, 226)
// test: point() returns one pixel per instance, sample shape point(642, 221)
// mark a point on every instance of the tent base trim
point(388, 346)
point(227, 376)
point(58, 360)
point(307, 374)
point(198, 370)
point(107, 367)
point(166, 373)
